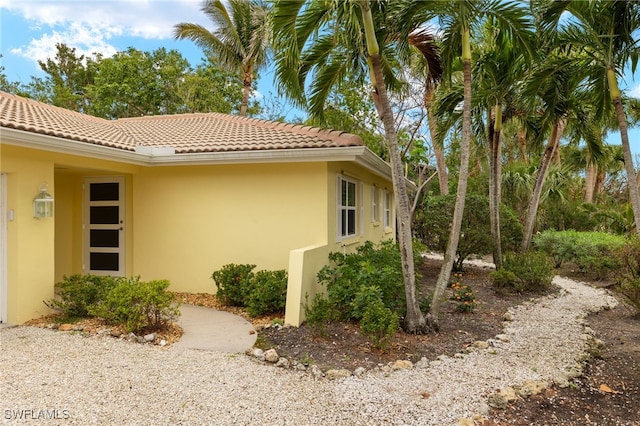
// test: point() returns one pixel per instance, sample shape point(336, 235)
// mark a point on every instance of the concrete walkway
point(212, 330)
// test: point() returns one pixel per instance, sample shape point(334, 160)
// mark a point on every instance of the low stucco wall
point(304, 264)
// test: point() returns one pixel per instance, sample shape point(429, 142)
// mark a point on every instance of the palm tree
point(501, 69)
point(327, 39)
point(431, 70)
point(606, 32)
point(555, 86)
point(240, 40)
point(456, 21)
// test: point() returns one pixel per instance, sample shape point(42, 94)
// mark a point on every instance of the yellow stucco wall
point(192, 220)
point(30, 241)
point(182, 222)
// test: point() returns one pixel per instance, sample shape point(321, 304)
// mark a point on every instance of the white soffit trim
point(165, 156)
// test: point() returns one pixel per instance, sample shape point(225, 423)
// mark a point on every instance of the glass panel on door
point(104, 226)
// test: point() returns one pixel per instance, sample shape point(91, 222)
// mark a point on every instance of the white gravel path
point(82, 381)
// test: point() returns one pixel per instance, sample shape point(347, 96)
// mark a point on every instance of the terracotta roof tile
point(186, 133)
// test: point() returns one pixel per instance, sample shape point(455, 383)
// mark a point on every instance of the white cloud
point(91, 25)
point(142, 18)
point(87, 41)
point(635, 91)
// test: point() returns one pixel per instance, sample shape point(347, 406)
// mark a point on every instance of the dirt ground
point(607, 394)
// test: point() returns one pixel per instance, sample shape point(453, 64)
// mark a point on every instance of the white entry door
point(3, 248)
point(103, 226)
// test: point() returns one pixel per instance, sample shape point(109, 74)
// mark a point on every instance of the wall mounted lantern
point(43, 203)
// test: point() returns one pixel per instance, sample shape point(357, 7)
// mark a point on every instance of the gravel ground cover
point(49, 377)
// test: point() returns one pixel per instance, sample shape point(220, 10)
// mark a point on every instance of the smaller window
point(347, 208)
point(374, 205)
point(387, 209)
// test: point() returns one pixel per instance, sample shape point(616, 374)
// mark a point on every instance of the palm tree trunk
point(438, 151)
point(247, 79)
point(495, 173)
point(456, 225)
point(590, 182)
point(522, 144)
point(632, 183)
point(414, 320)
point(534, 201)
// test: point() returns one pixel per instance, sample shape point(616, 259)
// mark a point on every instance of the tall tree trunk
point(438, 151)
point(590, 182)
point(632, 183)
point(495, 176)
point(414, 321)
point(456, 224)
point(541, 175)
point(522, 144)
point(247, 80)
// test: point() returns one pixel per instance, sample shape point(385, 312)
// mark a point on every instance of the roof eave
point(361, 155)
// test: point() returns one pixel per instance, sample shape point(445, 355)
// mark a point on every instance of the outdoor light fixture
point(43, 203)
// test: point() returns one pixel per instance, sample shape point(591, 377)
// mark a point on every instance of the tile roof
point(186, 133)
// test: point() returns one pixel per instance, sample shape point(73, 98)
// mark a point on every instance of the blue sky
point(29, 30)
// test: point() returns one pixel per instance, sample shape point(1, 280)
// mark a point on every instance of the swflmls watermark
point(35, 414)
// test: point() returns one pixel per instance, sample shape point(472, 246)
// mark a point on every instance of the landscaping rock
point(150, 337)
point(531, 388)
point(340, 373)
point(359, 372)
point(271, 356)
point(316, 372)
point(479, 344)
point(423, 363)
point(283, 363)
point(402, 364)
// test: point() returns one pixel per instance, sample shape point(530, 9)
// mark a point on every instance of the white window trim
point(375, 205)
point(387, 212)
point(357, 208)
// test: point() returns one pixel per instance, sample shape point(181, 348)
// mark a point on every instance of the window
point(375, 205)
point(387, 209)
point(347, 209)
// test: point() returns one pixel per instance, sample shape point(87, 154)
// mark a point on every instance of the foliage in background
point(432, 224)
point(528, 271)
point(627, 276)
point(590, 251)
point(132, 83)
point(138, 304)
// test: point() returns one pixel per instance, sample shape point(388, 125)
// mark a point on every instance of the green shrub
point(503, 280)
point(319, 314)
point(369, 266)
point(137, 305)
point(268, 293)
point(379, 324)
point(628, 275)
point(533, 270)
point(234, 283)
point(77, 293)
point(432, 225)
point(365, 297)
point(425, 304)
point(590, 251)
